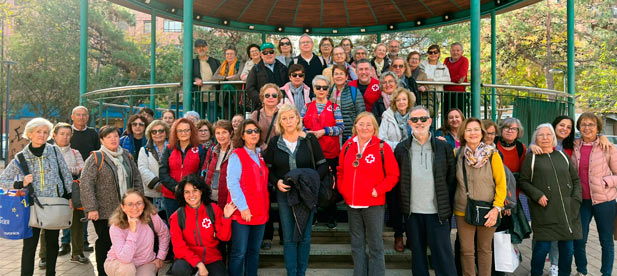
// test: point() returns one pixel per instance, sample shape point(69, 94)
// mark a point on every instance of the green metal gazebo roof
point(322, 17)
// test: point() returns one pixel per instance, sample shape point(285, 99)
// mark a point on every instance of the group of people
point(200, 193)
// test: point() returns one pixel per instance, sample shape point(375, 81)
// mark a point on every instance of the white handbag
point(507, 256)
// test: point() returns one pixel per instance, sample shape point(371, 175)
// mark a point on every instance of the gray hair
point(458, 44)
point(35, 123)
point(508, 122)
point(305, 35)
point(192, 113)
point(383, 76)
point(78, 108)
point(355, 50)
point(420, 107)
point(541, 126)
point(322, 78)
point(338, 47)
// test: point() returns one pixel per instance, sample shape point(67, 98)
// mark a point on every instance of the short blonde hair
point(411, 99)
point(286, 108)
point(354, 131)
point(36, 123)
point(267, 86)
point(156, 123)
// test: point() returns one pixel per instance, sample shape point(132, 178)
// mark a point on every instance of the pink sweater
point(138, 247)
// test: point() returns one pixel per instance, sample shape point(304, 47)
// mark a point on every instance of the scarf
point(478, 158)
point(228, 69)
point(379, 66)
point(118, 159)
point(386, 99)
point(401, 121)
point(506, 144)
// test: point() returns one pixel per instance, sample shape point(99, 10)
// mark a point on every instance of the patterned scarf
point(228, 69)
point(386, 99)
point(478, 158)
point(401, 121)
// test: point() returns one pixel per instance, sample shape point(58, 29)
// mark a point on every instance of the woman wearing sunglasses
point(286, 51)
point(367, 170)
point(247, 181)
point(270, 96)
point(435, 70)
point(135, 137)
point(296, 92)
point(324, 119)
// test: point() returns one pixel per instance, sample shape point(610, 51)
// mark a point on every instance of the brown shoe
point(398, 244)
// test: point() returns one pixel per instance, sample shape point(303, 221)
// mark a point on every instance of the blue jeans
point(170, 206)
point(296, 253)
point(604, 214)
point(541, 248)
point(245, 245)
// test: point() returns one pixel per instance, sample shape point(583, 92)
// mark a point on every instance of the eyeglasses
point(157, 131)
point(285, 43)
point(433, 52)
point(356, 162)
point(421, 119)
point(319, 87)
point(133, 205)
point(251, 131)
point(588, 125)
point(296, 75)
point(306, 42)
point(346, 45)
point(267, 52)
point(326, 45)
point(274, 96)
point(490, 134)
point(183, 131)
point(137, 124)
point(511, 129)
point(398, 66)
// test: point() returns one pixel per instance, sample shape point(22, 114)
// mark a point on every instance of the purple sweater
point(138, 247)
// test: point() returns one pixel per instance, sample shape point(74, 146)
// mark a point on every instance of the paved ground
point(10, 255)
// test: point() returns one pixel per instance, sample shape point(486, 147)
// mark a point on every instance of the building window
point(147, 26)
point(172, 26)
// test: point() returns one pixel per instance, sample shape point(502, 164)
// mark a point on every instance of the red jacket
point(254, 185)
point(356, 184)
point(177, 166)
point(330, 145)
point(457, 70)
point(197, 242)
point(372, 93)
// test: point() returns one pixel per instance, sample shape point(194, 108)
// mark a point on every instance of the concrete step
point(335, 250)
point(328, 272)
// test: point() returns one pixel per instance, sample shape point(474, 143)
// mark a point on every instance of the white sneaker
point(580, 274)
point(554, 270)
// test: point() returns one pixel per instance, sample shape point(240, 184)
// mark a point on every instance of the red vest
point(254, 185)
point(330, 145)
point(179, 168)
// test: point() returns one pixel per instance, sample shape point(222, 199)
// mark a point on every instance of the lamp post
point(8, 91)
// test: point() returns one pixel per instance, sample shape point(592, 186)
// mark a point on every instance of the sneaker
point(64, 249)
point(553, 271)
point(332, 224)
point(580, 274)
point(88, 248)
point(80, 259)
point(266, 245)
point(42, 264)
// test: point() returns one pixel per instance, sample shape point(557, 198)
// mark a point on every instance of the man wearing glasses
point(393, 49)
point(268, 70)
point(312, 64)
point(426, 186)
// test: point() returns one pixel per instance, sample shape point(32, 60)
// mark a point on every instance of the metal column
point(475, 58)
point(187, 56)
point(571, 69)
point(83, 51)
point(493, 66)
point(152, 58)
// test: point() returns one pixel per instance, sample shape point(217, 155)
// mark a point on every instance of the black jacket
point(302, 197)
point(444, 175)
point(214, 64)
point(378, 109)
point(258, 77)
point(386, 65)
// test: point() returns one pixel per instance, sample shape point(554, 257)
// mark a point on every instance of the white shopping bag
point(507, 257)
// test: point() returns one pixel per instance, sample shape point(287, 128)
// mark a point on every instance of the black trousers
point(29, 251)
point(273, 217)
point(183, 268)
point(102, 245)
point(394, 211)
point(329, 214)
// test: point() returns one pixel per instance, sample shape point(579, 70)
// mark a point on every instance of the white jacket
point(441, 73)
point(389, 130)
point(149, 169)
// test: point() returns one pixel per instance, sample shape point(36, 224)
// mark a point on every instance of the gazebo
point(327, 18)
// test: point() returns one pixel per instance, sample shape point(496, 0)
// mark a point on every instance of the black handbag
point(326, 196)
point(476, 210)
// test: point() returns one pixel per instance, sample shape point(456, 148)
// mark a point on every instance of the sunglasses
point(319, 87)
point(267, 52)
point(433, 52)
point(421, 119)
point(397, 66)
point(297, 75)
point(138, 124)
point(285, 43)
point(157, 131)
point(251, 131)
point(274, 96)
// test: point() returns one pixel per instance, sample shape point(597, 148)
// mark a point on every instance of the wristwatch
point(498, 208)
